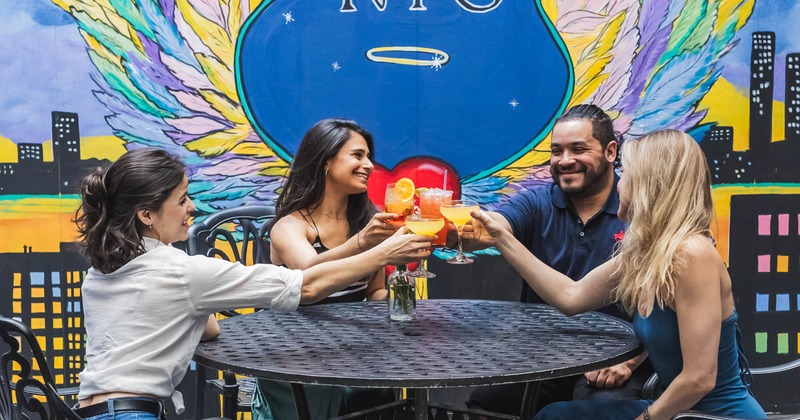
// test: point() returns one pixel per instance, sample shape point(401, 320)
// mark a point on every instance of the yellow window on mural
point(783, 264)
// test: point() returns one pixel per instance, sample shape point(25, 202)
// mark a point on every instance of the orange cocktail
point(430, 202)
point(399, 200)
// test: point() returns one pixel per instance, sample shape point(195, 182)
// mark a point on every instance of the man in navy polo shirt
point(571, 225)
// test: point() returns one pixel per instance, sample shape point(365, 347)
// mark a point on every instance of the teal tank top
point(659, 334)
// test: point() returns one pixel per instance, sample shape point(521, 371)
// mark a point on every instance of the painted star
point(437, 62)
point(288, 17)
point(336, 66)
point(514, 104)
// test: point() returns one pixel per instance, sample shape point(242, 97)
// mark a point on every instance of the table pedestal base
point(421, 404)
point(416, 407)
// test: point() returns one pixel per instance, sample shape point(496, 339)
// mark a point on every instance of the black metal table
point(453, 343)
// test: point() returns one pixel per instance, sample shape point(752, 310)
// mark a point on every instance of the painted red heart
point(425, 172)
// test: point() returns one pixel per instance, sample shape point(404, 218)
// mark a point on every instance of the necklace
point(328, 215)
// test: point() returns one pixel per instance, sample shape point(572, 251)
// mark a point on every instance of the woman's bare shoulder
point(700, 260)
point(293, 222)
point(699, 247)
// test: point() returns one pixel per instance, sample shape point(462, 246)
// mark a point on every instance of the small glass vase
point(402, 295)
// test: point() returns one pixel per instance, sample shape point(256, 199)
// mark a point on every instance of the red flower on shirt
point(619, 235)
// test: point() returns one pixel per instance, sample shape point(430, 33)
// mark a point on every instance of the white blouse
point(144, 320)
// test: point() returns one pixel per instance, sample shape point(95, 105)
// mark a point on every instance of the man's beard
point(593, 181)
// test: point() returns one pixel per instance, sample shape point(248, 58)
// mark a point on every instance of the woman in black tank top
point(323, 214)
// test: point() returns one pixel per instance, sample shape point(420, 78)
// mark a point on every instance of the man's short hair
point(602, 126)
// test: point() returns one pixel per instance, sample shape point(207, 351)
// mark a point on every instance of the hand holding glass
point(458, 213)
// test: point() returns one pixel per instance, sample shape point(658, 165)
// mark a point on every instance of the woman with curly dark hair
point(147, 305)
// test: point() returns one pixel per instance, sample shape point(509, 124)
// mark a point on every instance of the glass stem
point(460, 250)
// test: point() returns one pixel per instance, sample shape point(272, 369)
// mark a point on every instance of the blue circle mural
point(471, 85)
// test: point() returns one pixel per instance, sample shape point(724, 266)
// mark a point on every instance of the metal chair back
point(239, 234)
point(23, 395)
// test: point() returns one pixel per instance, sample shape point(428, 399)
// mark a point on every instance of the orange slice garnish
point(404, 188)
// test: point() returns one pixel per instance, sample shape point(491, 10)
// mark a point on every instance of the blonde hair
point(669, 194)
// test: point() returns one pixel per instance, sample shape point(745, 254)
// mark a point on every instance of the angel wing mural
point(461, 86)
point(165, 74)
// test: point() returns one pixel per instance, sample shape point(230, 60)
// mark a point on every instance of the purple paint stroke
point(613, 88)
point(188, 74)
point(198, 105)
point(156, 70)
point(654, 37)
point(227, 186)
point(678, 86)
point(622, 125)
point(651, 18)
point(642, 68)
point(180, 137)
point(580, 21)
point(238, 165)
point(168, 7)
point(691, 121)
point(197, 125)
point(537, 177)
point(121, 108)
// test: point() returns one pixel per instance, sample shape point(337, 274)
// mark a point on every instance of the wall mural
point(455, 92)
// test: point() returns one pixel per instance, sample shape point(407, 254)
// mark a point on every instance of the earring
point(326, 173)
point(150, 226)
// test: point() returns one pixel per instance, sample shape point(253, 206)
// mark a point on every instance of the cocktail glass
point(394, 204)
point(430, 202)
point(458, 213)
point(424, 226)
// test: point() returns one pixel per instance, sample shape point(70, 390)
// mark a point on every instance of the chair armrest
point(650, 387)
point(691, 414)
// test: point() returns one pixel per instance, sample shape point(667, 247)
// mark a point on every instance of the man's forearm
point(637, 361)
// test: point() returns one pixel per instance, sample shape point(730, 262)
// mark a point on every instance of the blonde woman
point(668, 274)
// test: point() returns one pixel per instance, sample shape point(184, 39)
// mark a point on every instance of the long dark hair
point(305, 186)
point(110, 231)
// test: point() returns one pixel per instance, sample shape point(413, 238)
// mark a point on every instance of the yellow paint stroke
point(102, 147)
point(720, 227)
point(8, 151)
point(40, 222)
point(97, 147)
point(47, 151)
point(729, 105)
